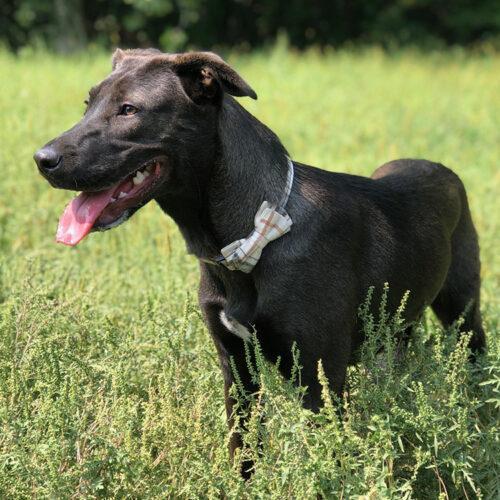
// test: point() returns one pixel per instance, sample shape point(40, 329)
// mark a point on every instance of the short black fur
point(408, 225)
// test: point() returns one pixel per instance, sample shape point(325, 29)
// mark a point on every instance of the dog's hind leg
point(460, 294)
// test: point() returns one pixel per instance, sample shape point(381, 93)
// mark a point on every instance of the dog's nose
point(47, 159)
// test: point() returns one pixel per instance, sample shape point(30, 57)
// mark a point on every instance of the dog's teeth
point(145, 173)
point(138, 178)
point(113, 200)
point(149, 168)
point(122, 195)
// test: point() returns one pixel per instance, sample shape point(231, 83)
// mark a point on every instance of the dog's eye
point(127, 109)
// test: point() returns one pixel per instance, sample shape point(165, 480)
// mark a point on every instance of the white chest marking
point(234, 326)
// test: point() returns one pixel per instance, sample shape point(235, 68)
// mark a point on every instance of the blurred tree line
point(69, 25)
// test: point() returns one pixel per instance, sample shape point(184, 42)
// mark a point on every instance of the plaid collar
point(271, 222)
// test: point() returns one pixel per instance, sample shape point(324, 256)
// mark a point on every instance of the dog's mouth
point(108, 208)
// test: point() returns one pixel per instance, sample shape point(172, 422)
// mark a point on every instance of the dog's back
point(420, 182)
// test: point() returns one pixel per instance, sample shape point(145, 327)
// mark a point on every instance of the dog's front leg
point(230, 350)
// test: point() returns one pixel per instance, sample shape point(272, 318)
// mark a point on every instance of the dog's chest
point(234, 326)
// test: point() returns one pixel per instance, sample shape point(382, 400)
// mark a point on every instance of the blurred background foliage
point(72, 25)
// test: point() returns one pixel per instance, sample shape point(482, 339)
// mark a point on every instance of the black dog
point(163, 127)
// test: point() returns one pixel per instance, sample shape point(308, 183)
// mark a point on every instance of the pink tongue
point(80, 215)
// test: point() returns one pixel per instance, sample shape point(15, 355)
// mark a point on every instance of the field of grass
point(109, 384)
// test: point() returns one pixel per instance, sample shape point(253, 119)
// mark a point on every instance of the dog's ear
point(205, 75)
point(120, 55)
point(117, 58)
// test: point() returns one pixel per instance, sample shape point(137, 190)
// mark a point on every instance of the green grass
point(109, 384)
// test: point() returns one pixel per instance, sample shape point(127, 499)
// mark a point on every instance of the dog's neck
point(251, 167)
point(248, 166)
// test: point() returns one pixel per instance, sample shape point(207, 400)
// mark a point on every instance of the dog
point(286, 250)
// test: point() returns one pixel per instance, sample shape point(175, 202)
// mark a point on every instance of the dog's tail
point(460, 294)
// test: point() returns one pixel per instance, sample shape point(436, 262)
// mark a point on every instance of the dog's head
point(149, 128)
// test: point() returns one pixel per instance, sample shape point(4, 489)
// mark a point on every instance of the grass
point(109, 385)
